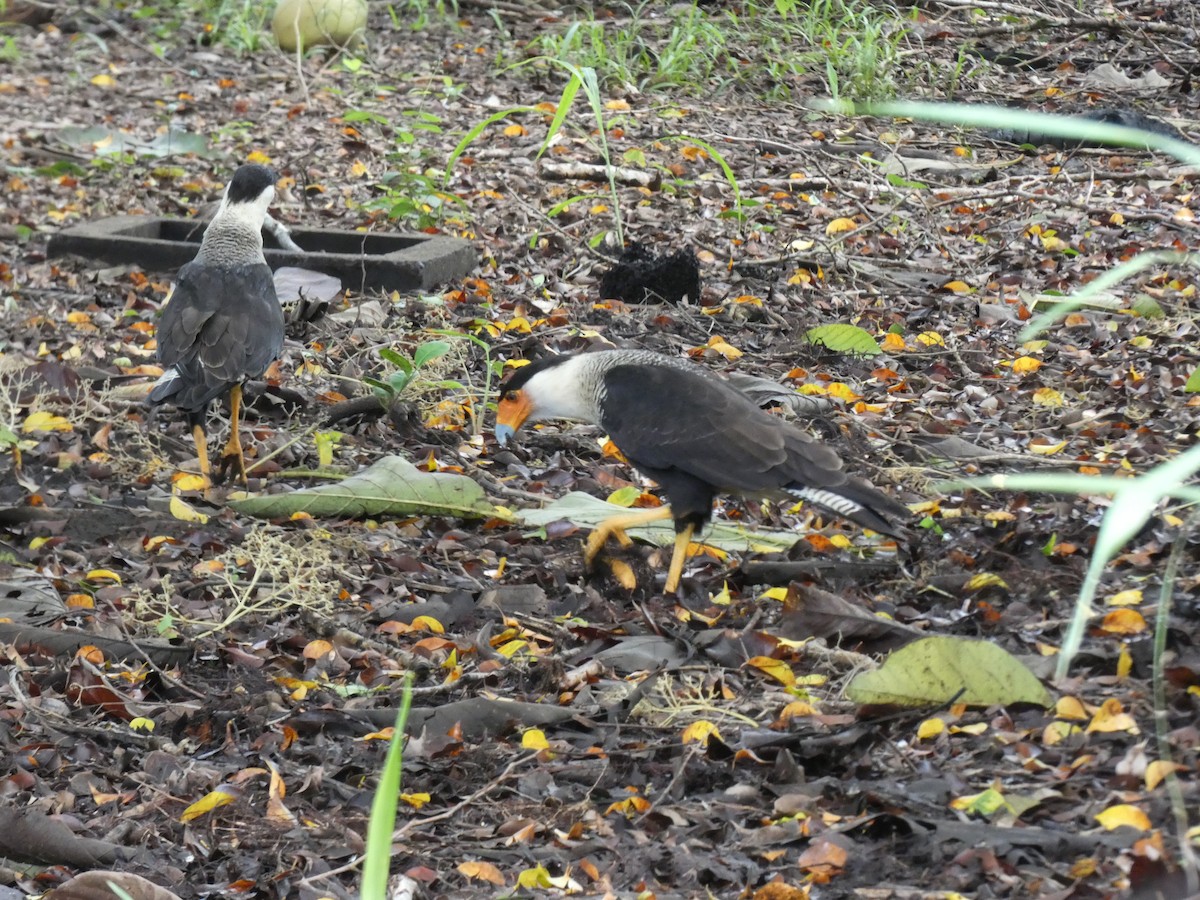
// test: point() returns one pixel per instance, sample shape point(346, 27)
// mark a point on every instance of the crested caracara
point(222, 324)
point(692, 433)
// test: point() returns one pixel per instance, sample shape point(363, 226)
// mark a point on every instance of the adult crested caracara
point(222, 324)
point(692, 433)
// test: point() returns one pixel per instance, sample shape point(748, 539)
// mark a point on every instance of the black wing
point(672, 420)
point(221, 326)
point(669, 418)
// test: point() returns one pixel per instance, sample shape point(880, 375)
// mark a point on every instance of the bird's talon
point(593, 546)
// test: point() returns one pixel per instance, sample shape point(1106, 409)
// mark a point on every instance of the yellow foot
point(599, 537)
point(615, 527)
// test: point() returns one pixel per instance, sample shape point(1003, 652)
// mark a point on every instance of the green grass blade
point(565, 102)
point(476, 131)
point(378, 858)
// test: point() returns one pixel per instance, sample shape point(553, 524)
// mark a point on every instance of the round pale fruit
point(310, 23)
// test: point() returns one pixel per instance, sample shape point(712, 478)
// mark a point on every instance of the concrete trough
point(364, 261)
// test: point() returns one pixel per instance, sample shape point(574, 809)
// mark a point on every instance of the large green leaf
point(102, 141)
point(587, 511)
point(937, 670)
point(843, 338)
point(392, 486)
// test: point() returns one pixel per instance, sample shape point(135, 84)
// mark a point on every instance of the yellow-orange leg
point(200, 439)
point(233, 447)
point(678, 558)
point(615, 527)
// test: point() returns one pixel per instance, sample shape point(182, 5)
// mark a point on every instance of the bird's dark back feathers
point(221, 326)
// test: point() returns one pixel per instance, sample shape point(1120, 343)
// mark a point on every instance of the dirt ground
point(556, 711)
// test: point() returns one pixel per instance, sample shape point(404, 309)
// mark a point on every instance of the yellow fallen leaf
point(700, 732)
point(840, 226)
point(183, 511)
point(931, 339)
point(188, 481)
point(44, 421)
point(1047, 397)
point(1047, 449)
point(537, 877)
point(535, 739)
point(726, 349)
point(930, 728)
point(957, 287)
point(1124, 663)
point(416, 801)
point(1160, 769)
point(1057, 732)
point(104, 81)
point(893, 343)
point(1112, 717)
point(428, 623)
point(1070, 708)
point(1123, 814)
point(1023, 365)
point(103, 575)
point(1131, 597)
point(776, 668)
point(222, 796)
point(843, 392)
point(985, 579)
point(257, 156)
point(796, 709)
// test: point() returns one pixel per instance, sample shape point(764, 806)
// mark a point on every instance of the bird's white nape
point(249, 214)
point(569, 390)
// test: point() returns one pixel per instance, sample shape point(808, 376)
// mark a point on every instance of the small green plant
point(764, 44)
point(644, 52)
point(492, 370)
point(406, 369)
point(9, 51)
point(237, 24)
point(416, 15)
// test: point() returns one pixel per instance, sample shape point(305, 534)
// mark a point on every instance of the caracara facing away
point(223, 323)
point(692, 433)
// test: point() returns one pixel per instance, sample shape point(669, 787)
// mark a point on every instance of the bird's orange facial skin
point(511, 413)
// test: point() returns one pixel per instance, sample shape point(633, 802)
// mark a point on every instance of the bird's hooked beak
point(511, 414)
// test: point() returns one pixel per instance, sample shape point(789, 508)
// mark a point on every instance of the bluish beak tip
point(503, 434)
